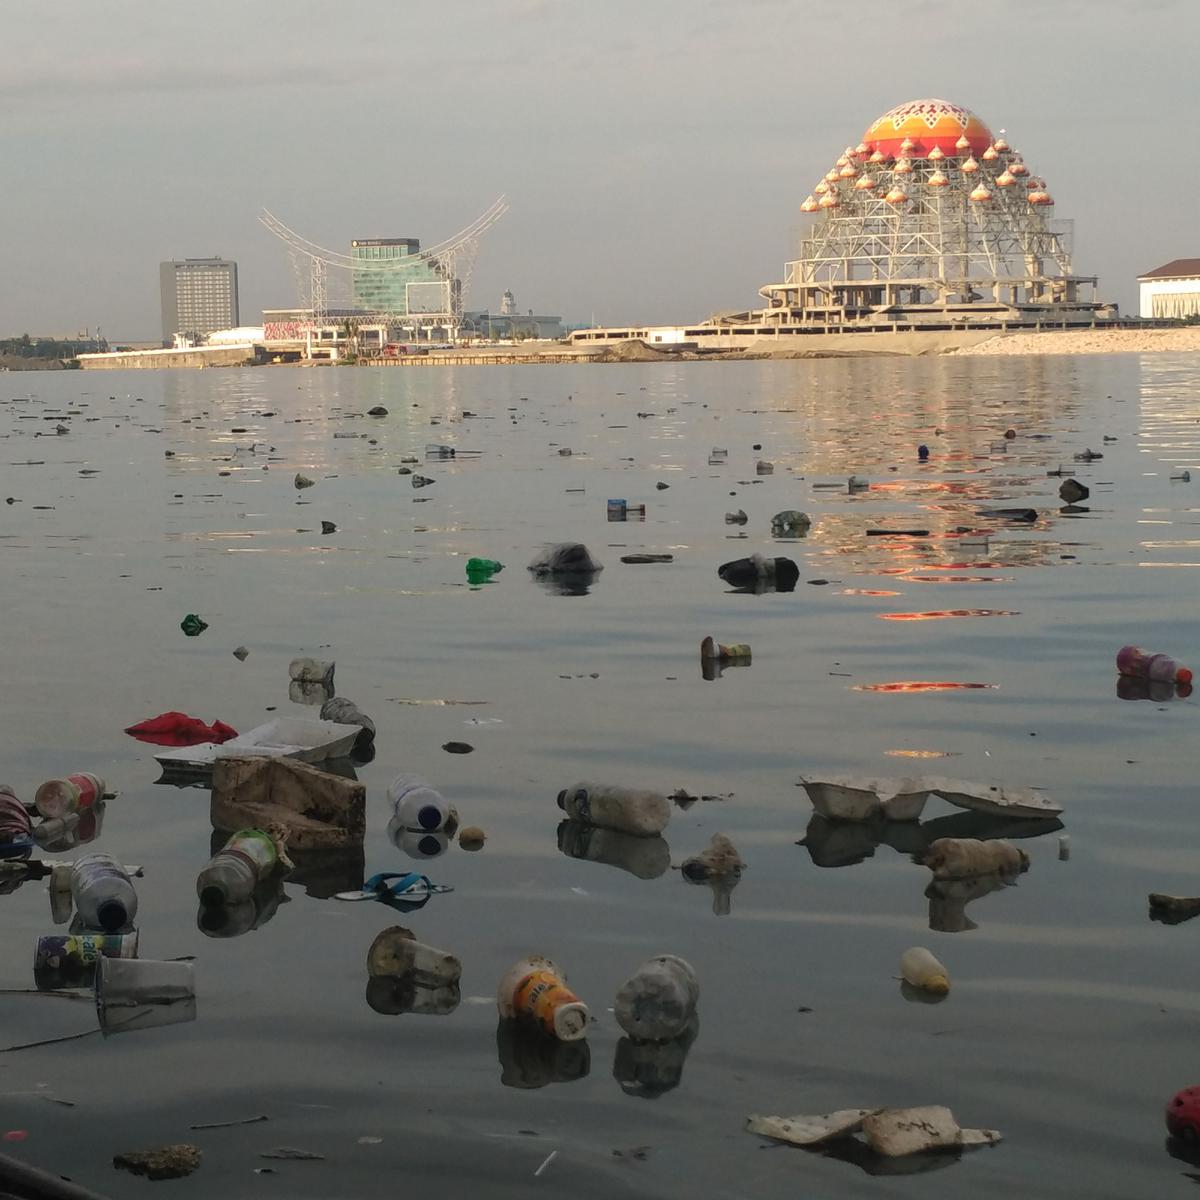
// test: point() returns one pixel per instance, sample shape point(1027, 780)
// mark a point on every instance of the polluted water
point(983, 653)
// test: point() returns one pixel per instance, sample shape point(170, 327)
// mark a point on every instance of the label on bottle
point(539, 995)
point(254, 847)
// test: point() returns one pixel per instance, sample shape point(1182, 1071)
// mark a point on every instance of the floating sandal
point(405, 891)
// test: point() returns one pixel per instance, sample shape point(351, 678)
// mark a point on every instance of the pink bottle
point(1133, 660)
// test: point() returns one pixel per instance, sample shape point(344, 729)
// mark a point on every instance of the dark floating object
point(328, 527)
point(458, 748)
point(1010, 514)
point(1072, 491)
point(897, 533)
point(758, 574)
point(377, 411)
point(647, 558)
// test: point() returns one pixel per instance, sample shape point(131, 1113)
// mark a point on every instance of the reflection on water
point(645, 857)
point(650, 1069)
point(532, 1059)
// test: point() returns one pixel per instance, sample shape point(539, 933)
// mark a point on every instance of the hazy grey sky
point(655, 152)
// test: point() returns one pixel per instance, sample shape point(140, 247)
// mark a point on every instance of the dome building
point(942, 237)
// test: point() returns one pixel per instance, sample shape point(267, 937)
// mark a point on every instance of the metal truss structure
point(452, 261)
point(932, 237)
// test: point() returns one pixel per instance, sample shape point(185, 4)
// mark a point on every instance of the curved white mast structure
point(452, 259)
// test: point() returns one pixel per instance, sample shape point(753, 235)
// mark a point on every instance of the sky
point(654, 152)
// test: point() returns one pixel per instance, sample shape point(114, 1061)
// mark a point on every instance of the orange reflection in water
point(960, 578)
point(868, 592)
point(919, 685)
point(942, 613)
point(921, 753)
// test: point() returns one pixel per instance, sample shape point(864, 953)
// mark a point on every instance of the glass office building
point(391, 277)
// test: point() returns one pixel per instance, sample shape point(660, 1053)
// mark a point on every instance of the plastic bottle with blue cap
point(420, 807)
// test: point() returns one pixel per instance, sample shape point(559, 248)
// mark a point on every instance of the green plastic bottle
point(479, 570)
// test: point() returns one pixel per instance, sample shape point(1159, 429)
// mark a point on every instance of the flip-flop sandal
point(398, 889)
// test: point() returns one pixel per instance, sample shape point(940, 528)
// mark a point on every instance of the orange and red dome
point(926, 124)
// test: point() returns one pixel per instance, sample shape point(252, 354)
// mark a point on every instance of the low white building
point(1171, 291)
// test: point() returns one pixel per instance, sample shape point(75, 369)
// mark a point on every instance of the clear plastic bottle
point(656, 1003)
point(419, 806)
point(1145, 664)
point(235, 870)
point(103, 893)
point(627, 810)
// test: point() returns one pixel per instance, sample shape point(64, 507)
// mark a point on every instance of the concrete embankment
point(1092, 341)
point(204, 356)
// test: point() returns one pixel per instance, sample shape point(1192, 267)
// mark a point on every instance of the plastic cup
point(137, 993)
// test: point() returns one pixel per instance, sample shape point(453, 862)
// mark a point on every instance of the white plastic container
point(418, 806)
point(628, 810)
point(657, 1002)
point(921, 970)
point(103, 893)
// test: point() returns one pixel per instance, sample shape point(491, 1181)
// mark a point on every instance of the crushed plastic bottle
point(417, 806)
point(535, 990)
point(627, 810)
point(921, 970)
point(1145, 664)
point(103, 893)
point(346, 712)
point(656, 1003)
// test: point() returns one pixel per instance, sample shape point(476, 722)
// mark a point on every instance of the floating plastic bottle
point(103, 893)
point(418, 806)
point(1145, 664)
point(396, 951)
point(656, 1003)
point(346, 712)
point(488, 565)
point(534, 990)
point(57, 797)
point(711, 649)
point(480, 570)
point(627, 810)
point(237, 868)
point(921, 970)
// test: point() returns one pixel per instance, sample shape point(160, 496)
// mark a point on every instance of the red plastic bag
point(178, 729)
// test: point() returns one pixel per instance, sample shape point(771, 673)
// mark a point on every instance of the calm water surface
point(1073, 1017)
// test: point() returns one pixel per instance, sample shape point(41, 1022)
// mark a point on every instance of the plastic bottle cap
point(213, 896)
point(428, 816)
point(1183, 675)
point(111, 915)
point(570, 1021)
